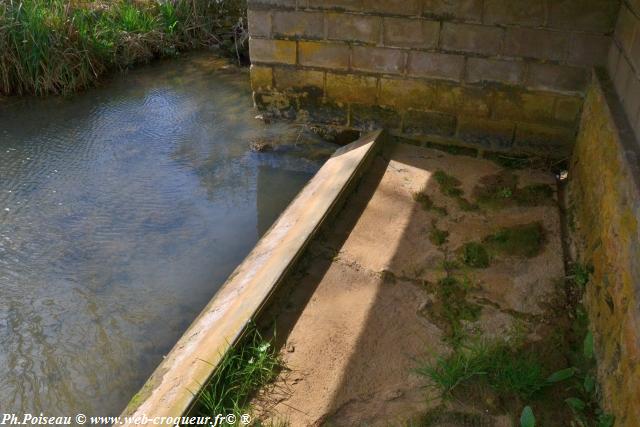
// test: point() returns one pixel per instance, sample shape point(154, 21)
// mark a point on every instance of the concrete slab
point(371, 282)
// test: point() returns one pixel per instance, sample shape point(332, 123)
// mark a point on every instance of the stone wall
point(499, 74)
point(624, 61)
point(605, 199)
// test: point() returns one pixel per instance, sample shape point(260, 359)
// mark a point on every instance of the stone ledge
point(173, 387)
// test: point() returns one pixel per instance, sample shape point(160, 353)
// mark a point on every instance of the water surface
point(122, 210)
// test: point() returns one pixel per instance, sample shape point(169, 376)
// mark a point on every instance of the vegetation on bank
point(62, 46)
point(245, 369)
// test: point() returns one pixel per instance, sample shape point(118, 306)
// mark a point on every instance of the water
point(122, 210)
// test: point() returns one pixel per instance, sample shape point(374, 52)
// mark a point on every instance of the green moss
point(427, 203)
point(501, 190)
point(475, 255)
point(449, 185)
point(452, 293)
point(525, 240)
point(436, 236)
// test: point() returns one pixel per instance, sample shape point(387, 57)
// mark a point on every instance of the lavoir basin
point(122, 211)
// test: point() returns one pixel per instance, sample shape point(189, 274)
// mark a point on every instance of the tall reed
point(61, 46)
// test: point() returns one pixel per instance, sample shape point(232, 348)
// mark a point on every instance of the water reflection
point(121, 212)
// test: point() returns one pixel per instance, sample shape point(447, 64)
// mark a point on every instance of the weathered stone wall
point(624, 61)
point(605, 198)
point(500, 74)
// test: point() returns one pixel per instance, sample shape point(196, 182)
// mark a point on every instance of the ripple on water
point(122, 210)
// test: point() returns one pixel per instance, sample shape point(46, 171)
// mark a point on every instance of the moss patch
point(425, 201)
point(525, 240)
point(501, 190)
point(436, 236)
point(475, 255)
point(452, 308)
point(449, 185)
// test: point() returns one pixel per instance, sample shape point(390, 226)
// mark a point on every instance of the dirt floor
point(367, 306)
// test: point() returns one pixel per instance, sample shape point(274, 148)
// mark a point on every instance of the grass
point(526, 240)
point(242, 372)
point(475, 255)
point(454, 307)
point(502, 190)
point(62, 46)
point(506, 370)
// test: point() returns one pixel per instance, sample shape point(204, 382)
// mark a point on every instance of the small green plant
point(449, 185)
point(527, 419)
point(436, 236)
point(475, 255)
point(243, 370)
point(524, 240)
point(580, 274)
point(509, 372)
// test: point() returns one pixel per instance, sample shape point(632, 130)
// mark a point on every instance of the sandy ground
point(354, 318)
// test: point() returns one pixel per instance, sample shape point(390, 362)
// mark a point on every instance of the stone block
point(259, 23)
point(634, 54)
point(272, 51)
point(557, 77)
point(404, 93)
point(534, 138)
point(632, 100)
point(612, 59)
point(520, 12)
point(404, 32)
point(622, 76)
point(494, 70)
point(536, 43)
point(625, 28)
point(309, 25)
point(455, 99)
point(378, 59)
point(435, 65)
point(320, 111)
point(349, 27)
point(567, 109)
point(335, 56)
point(261, 78)
point(475, 101)
point(429, 123)
point(471, 38)
point(586, 15)
point(367, 117)
point(392, 7)
point(352, 88)
point(464, 10)
point(271, 4)
point(488, 133)
point(514, 104)
point(347, 5)
point(291, 78)
point(588, 49)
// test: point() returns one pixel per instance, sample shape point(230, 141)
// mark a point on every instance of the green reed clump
point(61, 46)
point(244, 370)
